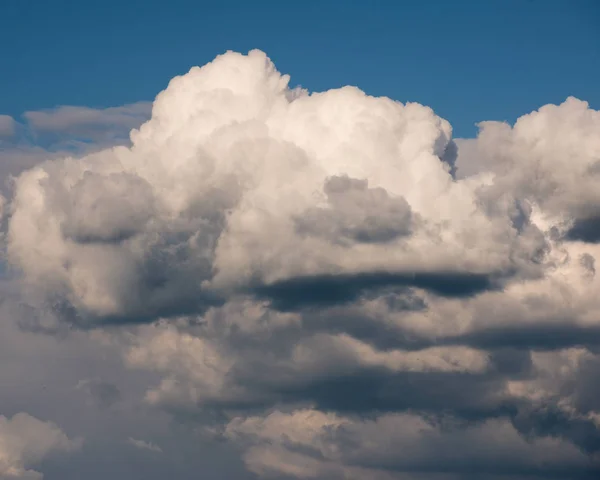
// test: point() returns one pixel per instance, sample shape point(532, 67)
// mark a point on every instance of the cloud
point(103, 394)
point(65, 131)
point(310, 444)
point(328, 281)
point(142, 445)
point(241, 189)
point(7, 126)
point(330, 289)
point(38, 374)
point(357, 214)
point(549, 158)
point(84, 123)
point(25, 441)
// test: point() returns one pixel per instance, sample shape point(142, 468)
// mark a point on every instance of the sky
point(470, 61)
point(267, 241)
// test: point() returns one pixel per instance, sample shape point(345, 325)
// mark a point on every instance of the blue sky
point(469, 60)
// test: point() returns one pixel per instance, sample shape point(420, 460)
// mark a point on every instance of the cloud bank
point(330, 282)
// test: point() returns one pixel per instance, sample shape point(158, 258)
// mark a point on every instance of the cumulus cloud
point(25, 441)
point(549, 158)
point(248, 186)
point(330, 281)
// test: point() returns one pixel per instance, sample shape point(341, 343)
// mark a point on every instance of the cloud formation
point(179, 221)
point(25, 441)
point(65, 131)
point(329, 281)
point(310, 444)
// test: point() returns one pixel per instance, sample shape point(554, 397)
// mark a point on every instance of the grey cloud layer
point(88, 122)
point(328, 281)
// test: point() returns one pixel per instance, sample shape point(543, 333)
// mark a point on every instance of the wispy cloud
point(142, 445)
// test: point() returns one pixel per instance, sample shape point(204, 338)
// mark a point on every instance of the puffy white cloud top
point(238, 182)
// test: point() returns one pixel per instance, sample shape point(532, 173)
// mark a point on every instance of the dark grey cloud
point(546, 337)
point(550, 421)
point(585, 230)
point(326, 290)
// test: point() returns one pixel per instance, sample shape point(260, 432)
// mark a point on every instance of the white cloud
point(25, 441)
point(549, 158)
point(243, 186)
point(194, 369)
